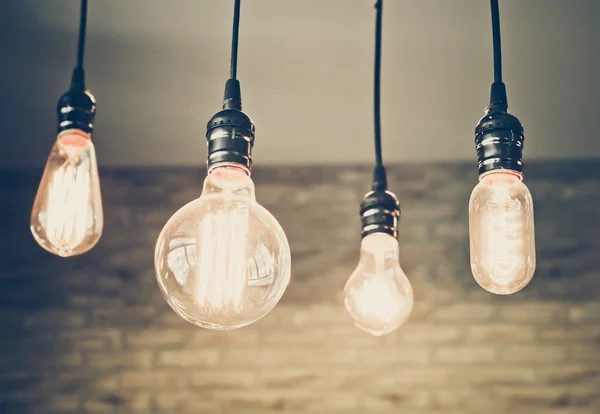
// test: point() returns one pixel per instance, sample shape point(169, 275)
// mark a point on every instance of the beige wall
point(158, 70)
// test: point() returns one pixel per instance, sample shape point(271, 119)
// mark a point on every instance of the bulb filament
point(502, 240)
point(221, 259)
point(68, 200)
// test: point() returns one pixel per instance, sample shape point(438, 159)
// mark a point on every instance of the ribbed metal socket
point(76, 109)
point(230, 136)
point(379, 213)
point(499, 143)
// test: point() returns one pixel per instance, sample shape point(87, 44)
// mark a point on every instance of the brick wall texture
point(92, 334)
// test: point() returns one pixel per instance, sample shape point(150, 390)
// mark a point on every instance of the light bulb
point(501, 232)
point(223, 261)
point(378, 295)
point(67, 217)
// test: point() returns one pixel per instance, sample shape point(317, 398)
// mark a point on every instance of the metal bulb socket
point(379, 213)
point(230, 132)
point(76, 109)
point(499, 142)
point(230, 138)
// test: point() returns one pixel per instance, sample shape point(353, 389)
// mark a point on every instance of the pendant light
point(501, 227)
point(67, 217)
point(378, 295)
point(223, 261)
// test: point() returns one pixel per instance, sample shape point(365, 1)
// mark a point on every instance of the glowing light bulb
point(502, 232)
point(378, 295)
point(67, 218)
point(223, 261)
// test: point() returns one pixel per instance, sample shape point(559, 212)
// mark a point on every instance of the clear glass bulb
point(378, 295)
point(501, 232)
point(223, 261)
point(67, 217)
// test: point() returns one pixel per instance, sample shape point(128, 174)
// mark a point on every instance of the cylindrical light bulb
point(223, 261)
point(501, 232)
point(67, 217)
point(378, 295)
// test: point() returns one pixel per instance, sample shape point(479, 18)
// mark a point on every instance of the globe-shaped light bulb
point(378, 295)
point(67, 218)
point(501, 232)
point(223, 261)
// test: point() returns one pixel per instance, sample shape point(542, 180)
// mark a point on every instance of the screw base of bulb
point(379, 213)
point(499, 142)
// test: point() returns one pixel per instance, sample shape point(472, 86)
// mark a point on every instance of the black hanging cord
point(82, 30)
point(498, 101)
point(78, 79)
point(379, 176)
point(496, 41)
point(234, 40)
point(233, 95)
point(377, 84)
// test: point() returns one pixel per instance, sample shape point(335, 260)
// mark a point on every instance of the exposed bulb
point(223, 261)
point(67, 217)
point(378, 295)
point(501, 232)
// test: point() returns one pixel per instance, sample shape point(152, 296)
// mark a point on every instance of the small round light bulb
point(378, 295)
point(501, 232)
point(67, 217)
point(223, 261)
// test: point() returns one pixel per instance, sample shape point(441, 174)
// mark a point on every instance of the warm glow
point(226, 260)
point(502, 233)
point(68, 199)
point(222, 261)
point(378, 298)
point(67, 214)
point(378, 295)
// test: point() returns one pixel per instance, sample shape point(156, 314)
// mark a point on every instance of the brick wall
point(92, 334)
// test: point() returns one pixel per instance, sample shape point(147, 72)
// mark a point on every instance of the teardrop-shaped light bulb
point(378, 295)
point(501, 232)
point(223, 261)
point(67, 218)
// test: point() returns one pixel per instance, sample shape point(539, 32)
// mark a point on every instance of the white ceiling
point(157, 69)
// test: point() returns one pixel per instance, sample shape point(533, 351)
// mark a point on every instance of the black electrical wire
point(377, 84)
point(82, 30)
point(234, 39)
point(379, 175)
point(498, 100)
point(496, 41)
point(233, 95)
point(78, 78)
